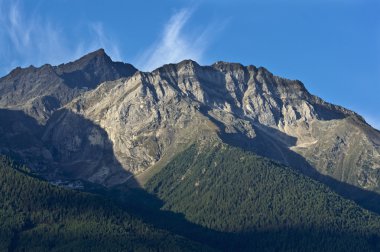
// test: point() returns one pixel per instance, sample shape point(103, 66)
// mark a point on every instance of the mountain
point(143, 119)
point(226, 155)
point(40, 91)
point(151, 116)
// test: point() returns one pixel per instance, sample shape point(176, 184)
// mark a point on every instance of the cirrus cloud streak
point(175, 44)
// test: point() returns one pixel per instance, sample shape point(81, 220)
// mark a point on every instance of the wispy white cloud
point(175, 45)
point(28, 38)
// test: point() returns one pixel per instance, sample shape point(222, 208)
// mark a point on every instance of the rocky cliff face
point(140, 122)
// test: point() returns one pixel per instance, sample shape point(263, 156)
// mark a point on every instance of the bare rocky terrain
point(101, 121)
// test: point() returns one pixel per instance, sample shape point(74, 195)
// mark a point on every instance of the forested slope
point(262, 204)
point(37, 216)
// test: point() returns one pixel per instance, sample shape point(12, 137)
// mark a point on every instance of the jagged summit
point(173, 67)
point(93, 69)
point(228, 66)
point(99, 52)
point(98, 55)
point(40, 91)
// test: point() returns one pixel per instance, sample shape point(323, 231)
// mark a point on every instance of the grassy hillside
point(36, 216)
point(257, 203)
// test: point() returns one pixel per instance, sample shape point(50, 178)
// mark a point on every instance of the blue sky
point(332, 46)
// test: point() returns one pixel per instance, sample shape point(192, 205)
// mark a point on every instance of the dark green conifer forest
point(37, 216)
point(262, 204)
point(212, 197)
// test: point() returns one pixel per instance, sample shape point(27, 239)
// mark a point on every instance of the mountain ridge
point(146, 116)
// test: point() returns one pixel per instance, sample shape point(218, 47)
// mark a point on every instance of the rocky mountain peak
point(187, 64)
point(29, 89)
point(93, 69)
point(227, 66)
point(96, 57)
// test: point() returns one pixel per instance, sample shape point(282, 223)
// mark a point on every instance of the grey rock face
point(149, 113)
point(138, 123)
